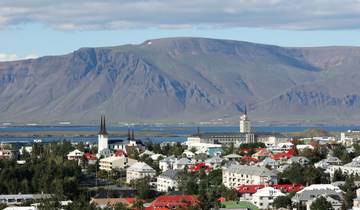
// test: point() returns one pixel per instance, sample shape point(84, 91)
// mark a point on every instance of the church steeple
point(103, 126)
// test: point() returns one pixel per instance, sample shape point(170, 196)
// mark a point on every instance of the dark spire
point(245, 111)
point(132, 135)
point(103, 126)
point(198, 131)
point(129, 135)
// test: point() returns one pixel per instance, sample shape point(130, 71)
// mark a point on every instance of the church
point(237, 138)
point(106, 146)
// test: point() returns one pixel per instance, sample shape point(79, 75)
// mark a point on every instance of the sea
point(175, 133)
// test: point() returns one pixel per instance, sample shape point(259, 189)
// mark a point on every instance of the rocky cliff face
point(188, 79)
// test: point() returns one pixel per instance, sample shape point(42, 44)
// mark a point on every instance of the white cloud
point(125, 14)
point(14, 57)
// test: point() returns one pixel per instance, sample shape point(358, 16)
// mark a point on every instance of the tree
point(120, 206)
point(321, 204)
point(338, 176)
point(282, 202)
point(142, 187)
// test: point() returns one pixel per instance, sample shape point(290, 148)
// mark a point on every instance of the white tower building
point(245, 126)
point(102, 136)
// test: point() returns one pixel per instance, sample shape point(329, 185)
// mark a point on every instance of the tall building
point(245, 123)
point(102, 136)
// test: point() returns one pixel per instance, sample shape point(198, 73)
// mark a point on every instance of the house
point(232, 157)
point(90, 158)
point(335, 200)
point(237, 175)
point(199, 166)
point(75, 155)
point(246, 191)
point(352, 168)
point(112, 163)
point(139, 170)
point(27, 149)
point(307, 195)
point(110, 202)
point(303, 161)
point(262, 153)
point(168, 181)
point(214, 162)
point(7, 153)
point(182, 163)
point(173, 202)
point(356, 203)
point(264, 198)
point(268, 162)
point(328, 162)
point(16, 199)
point(167, 163)
point(188, 154)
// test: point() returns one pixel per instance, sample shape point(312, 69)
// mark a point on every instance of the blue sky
point(38, 27)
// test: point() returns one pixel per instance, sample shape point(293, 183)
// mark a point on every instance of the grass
point(239, 204)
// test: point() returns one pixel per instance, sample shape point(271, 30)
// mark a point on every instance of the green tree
point(282, 202)
point(321, 204)
point(338, 176)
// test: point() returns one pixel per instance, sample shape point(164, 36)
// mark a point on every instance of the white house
point(264, 198)
point(307, 195)
point(168, 181)
point(139, 170)
point(356, 204)
point(351, 168)
point(75, 155)
point(167, 163)
point(183, 162)
point(236, 175)
point(113, 163)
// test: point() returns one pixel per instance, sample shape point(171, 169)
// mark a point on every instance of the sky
point(33, 28)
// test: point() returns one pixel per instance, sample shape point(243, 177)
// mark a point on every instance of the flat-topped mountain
point(184, 79)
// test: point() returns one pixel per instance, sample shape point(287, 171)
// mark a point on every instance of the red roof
point(120, 153)
point(171, 201)
point(283, 187)
point(288, 154)
point(249, 159)
point(89, 156)
point(198, 166)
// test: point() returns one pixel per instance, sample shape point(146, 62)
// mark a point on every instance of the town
point(241, 170)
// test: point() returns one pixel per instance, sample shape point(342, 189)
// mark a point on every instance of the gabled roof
point(251, 170)
point(171, 174)
point(140, 167)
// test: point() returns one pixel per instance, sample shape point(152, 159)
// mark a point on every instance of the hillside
point(184, 79)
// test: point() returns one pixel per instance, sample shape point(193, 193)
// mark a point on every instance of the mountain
point(184, 79)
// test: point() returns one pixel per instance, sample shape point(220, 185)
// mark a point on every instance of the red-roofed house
point(284, 155)
point(173, 201)
point(249, 159)
point(246, 191)
point(120, 153)
point(90, 158)
point(199, 166)
point(103, 202)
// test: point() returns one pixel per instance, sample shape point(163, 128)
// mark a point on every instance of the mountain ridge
point(184, 79)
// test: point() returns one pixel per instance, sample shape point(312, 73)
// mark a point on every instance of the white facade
point(112, 163)
point(139, 170)
point(168, 181)
point(264, 198)
point(102, 142)
point(237, 175)
point(75, 155)
point(245, 126)
point(352, 168)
